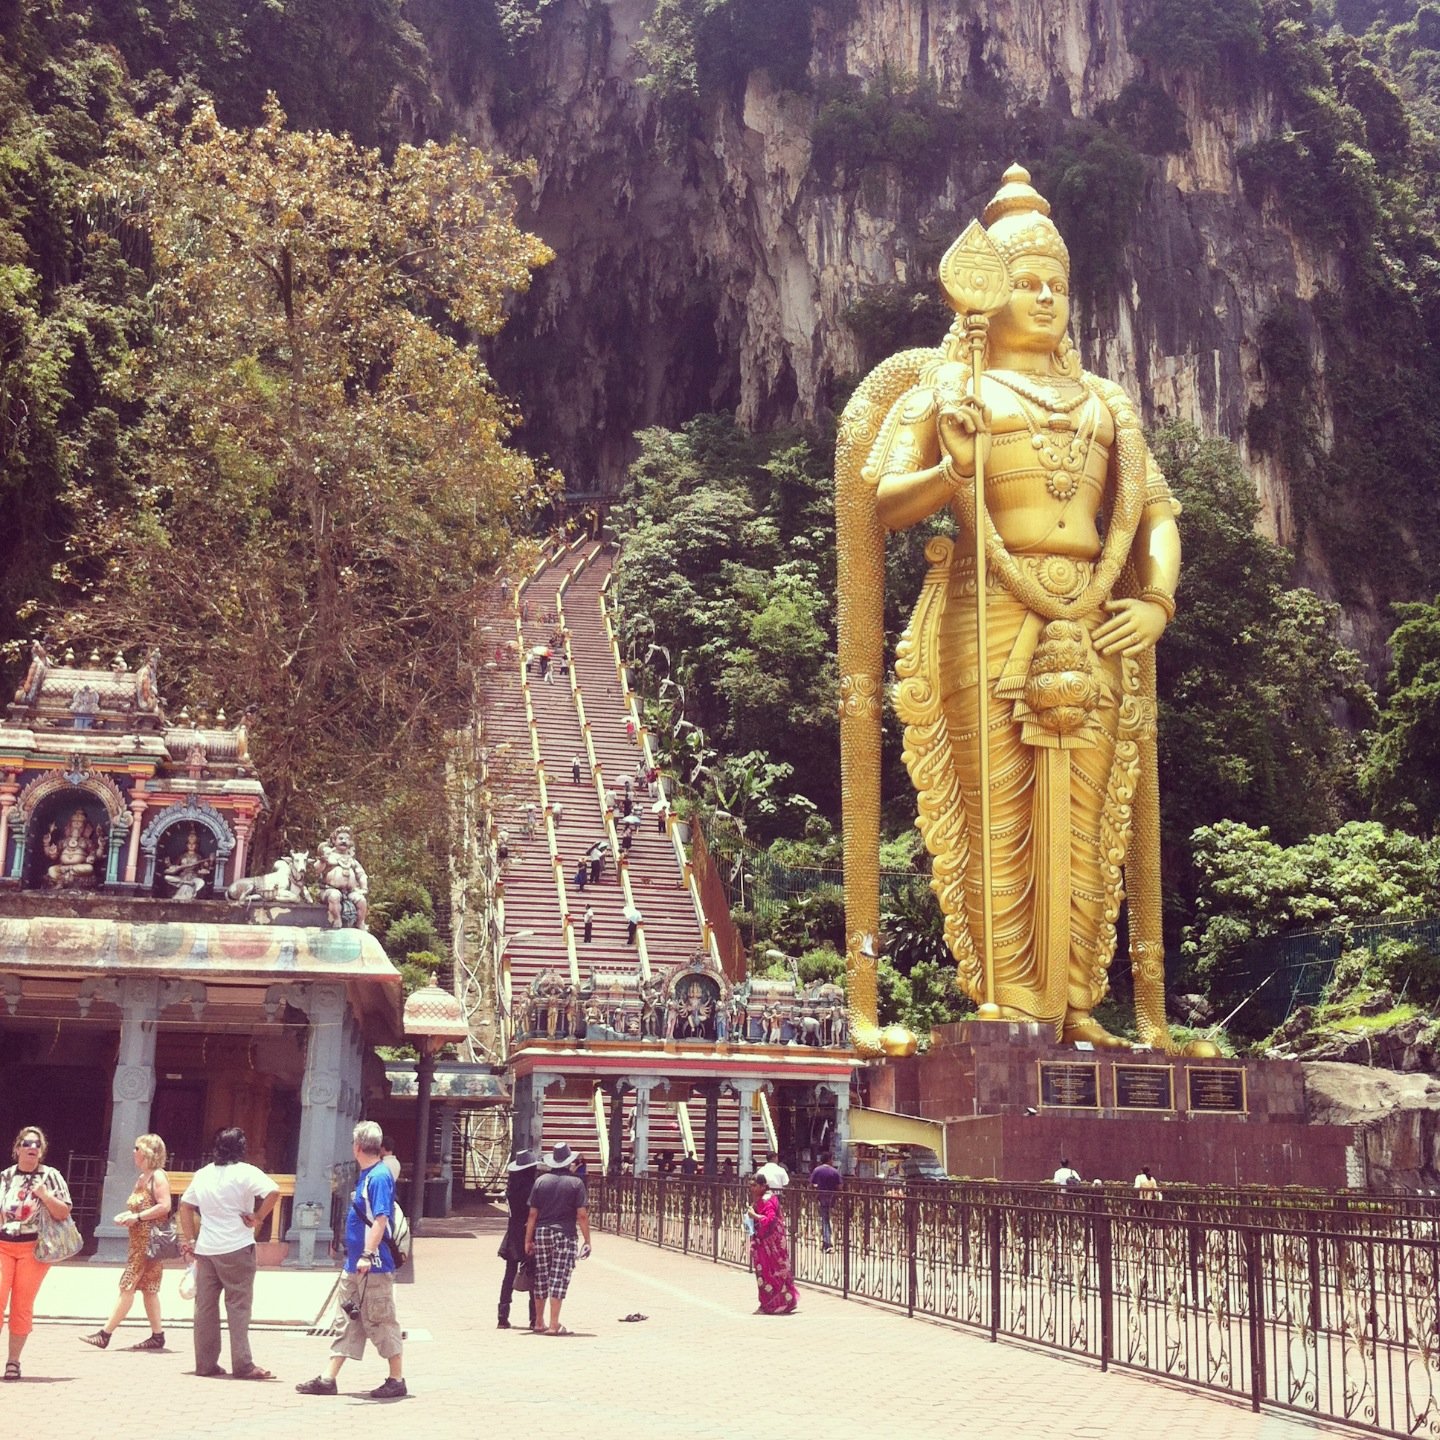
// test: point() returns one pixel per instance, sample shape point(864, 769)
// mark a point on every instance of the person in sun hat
point(557, 1211)
point(520, 1176)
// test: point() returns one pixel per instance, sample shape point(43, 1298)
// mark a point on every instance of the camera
point(351, 1308)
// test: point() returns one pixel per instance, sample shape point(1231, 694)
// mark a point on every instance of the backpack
point(1072, 1182)
point(397, 1237)
point(397, 1233)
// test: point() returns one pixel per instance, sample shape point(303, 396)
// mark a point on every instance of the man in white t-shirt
point(777, 1177)
point(221, 1212)
point(1066, 1175)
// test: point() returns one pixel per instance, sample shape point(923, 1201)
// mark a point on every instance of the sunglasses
point(29, 1145)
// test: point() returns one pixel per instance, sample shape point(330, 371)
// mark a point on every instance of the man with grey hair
point(367, 1284)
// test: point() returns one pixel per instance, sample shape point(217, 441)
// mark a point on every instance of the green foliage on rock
point(1402, 773)
point(1251, 673)
point(1352, 174)
point(1210, 39)
point(1250, 887)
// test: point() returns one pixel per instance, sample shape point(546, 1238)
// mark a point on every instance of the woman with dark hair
point(149, 1204)
point(769, 1254)
point(25, 1188)
point(520, 1181)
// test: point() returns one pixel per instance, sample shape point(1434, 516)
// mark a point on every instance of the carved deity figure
point(147, 682)
point(1081, 559)
point(188, 873)
point(343, 878)
point(29, 691)
point(74, 851)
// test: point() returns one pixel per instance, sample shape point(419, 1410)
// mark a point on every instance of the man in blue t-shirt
point(826, 1180)
point(367, 1285)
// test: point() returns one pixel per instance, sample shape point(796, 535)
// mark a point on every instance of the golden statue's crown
point(1018, 220)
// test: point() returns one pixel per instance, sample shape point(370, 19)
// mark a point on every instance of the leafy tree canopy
point(325, 474)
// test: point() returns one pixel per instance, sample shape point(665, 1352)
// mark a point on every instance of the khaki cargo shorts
point(376, 1322)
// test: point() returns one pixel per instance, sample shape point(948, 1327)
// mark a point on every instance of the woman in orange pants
point(24, 1188)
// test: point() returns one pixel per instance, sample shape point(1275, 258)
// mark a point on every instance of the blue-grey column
point(323, 1138)
point(131, 1091)
point(840, 1141)
point(745, 1097)
point(539, 1084)
point(643, 1086)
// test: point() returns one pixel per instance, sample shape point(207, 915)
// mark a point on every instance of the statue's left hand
point(1133, 626)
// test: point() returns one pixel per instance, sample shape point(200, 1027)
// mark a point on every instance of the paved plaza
point(701, 1367)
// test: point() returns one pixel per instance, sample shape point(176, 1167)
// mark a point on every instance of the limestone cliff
point(716, 269)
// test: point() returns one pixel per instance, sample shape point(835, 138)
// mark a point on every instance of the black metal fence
point(1327, 1305)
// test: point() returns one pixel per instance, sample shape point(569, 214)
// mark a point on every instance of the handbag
point(59, 1239)
point(163, 1242)
point(523, 1278)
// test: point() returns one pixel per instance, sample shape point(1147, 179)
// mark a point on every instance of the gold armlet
point(1159, 597)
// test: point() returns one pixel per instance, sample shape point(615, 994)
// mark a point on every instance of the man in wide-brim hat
point(557, 1211)
point(520, 1176)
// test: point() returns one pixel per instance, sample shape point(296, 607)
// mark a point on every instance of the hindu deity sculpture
point(188, 873)
point(73, 851)
point(1027, 694)
point(343, 879)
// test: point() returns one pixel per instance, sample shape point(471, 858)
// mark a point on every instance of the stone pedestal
point(1014, 1104)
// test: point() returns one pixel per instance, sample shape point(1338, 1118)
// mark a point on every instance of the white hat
point(562, 1157)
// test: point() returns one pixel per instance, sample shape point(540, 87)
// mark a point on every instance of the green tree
point(1402, 774)
point(326, 475)
point(1251, 673)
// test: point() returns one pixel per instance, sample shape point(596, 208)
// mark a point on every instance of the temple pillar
point(138, 807)
point(242, 846)
point(323, 1140)
point(131, 1090)
point(118, 826)
point(617, 1128)
point(711, 1153)
point(840, 1140)
point(447, 1157)
point(745, 1098)
point(643, 1086)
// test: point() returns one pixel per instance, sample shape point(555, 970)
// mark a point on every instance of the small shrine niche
point(71, 845)
point(185, 863)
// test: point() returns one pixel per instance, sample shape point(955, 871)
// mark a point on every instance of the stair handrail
point(682, 858)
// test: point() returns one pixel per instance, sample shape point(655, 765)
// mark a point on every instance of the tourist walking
point(769, 1253)
point(1067, 1175)
point(221, 1212)
point(367, 1283)
point(557, 1211)
point(148, 1206)
point(582, 874)
point(575, 770)
point(825, 1179)
point(519, 1182)
point(597, 864)
point(26, 1188)
point(589, 923)
point(633, 918)
point(777, 1177)
point(1146, 1186)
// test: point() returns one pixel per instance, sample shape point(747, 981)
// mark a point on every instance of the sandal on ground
point(12, 1369)
point(561, 1331)
point(100, 1339)
point(215, 1372)
point(152, 1342)
point(253, 1373)
point(632, 1318)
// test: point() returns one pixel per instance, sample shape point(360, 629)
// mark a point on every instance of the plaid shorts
point(555, 1256)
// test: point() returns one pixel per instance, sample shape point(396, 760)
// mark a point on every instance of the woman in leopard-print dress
point(149, 1203)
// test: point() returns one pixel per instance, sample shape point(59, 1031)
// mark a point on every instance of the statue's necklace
point(1062, 463)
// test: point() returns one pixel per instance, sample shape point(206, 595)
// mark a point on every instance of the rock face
point(1397, 1120)
point(715, 270)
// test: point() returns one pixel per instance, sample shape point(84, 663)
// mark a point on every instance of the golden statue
point(1037, 788)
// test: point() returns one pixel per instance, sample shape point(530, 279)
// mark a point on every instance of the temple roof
point(193, 951)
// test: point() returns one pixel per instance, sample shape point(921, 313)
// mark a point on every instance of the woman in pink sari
point(769, 1254)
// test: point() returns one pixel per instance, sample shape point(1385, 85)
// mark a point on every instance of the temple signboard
point(1069, 1086)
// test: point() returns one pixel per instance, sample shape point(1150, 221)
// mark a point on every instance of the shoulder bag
point(59, 1239)
point(163, 1242)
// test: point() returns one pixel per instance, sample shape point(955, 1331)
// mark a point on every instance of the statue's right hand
point(962, 426)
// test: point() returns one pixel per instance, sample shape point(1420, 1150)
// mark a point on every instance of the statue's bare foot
point(872, 1040)
point(1080, 1026)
